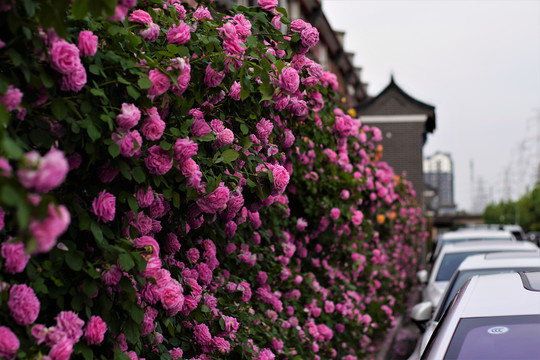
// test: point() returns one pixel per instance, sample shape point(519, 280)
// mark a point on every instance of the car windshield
point(461, 277)
point(453, 241)
point(498, 337)
point(450, 263)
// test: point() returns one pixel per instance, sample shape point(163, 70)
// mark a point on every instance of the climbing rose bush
point(183, 183)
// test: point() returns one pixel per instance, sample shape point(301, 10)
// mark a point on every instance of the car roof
point(500, 260)
point(476, 234)
point(488, 245)
point(499, 295)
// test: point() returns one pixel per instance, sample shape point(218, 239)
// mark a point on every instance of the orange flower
point(380, 218)
point(392, 215)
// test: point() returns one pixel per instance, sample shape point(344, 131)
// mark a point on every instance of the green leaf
point(244, 129)
point(59, 109)
point(183, 51)
point(244, 94)
point(114, 150)
point(96, 231)
point(176, 199)
point(131, 330)
point(10, 196)
point(172, 49)
point(74, 261)
point(251, 41)
point(119, 355)
point(137, 314)
point(133, 92)
point(205, 138)
point(90, 287)
point(126, 261)
point(93, 132)
point(133, 204)
point(229, 156)
point(82, 349)
point(80, 9)
point(144, 83)
point(138, 174)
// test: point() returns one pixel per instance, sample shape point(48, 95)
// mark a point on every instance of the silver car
point(491, 317)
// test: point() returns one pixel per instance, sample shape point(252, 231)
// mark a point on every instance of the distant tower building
point(439, 175)
point(404, 123)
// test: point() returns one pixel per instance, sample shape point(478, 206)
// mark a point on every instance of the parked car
point(453, 237)
point(484, 264)
point(515, 229)
point(491, 317)
point(452, 255)
point(534, 236)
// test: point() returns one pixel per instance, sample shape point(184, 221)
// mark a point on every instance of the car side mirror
point(422, 276)
point(421, 313)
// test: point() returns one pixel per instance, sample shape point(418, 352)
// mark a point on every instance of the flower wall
point(180, 183)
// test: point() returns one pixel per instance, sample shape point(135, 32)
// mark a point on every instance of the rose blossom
point(158, 160)
point(299, 25)
point(202, 334)
point(334, 213)
point(281, 179)
point(184, 148)
point(15, 255)
point(264, 129)
point(172, 298)
point(224, 137)
point(87, 43)
point(150, 33)
point(23, 304)
point(213, 78)
point(289, 80)
point(140, 16)
point(47, 230)
point(64, 56)
point(179, 34)
point(70, 324)
point(190, 169)
point(42, 174)
point(9, 343)
point(267, 5)
point(234, 91)
point(221, 345)
point(12, 98)
point(129, 142)
point(202, 13)
point(216, 200)
point(160, 82)
point(95, 330)
point(309, 37)
point(129, 117)
point(62, 350)
point(104, 206)
point(153, 126)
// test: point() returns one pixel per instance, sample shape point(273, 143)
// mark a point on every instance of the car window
point(459, 279)
point(499, 337)
point(450, 263)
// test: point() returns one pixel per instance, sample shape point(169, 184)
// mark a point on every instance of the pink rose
point(23, 304)
point(193, 255)
point(234, 91)
point(160, 82)
point(179, 34)
point(62, 350)
point(49, 229)
point(221, 345)
point(202, 335)
point(129, 117)
point(158, 161)
point(190, 169)
point(202, 13)
point(334, 213)
point(145, 197)
point(266, 354)
point(267, 5)
point(230, 229)
point(95, 330)
point(289, 80)
point(150, 33)
point(200, 127)
point(172, 298)
point(75, 80)
point(15, 255)
point(153, 126)
point(288, 139)
point(309, 37)
point(128, 142)
point(281, 179)
point(12, 98)
point(88, 43)
point(64, 56)
point(176, 353)
point(298, 108)
point(140, 16)
point(42, 174)
point(215, 201)
point(299, 25)
point(9, 343)
point(104, 206)
point(184, 148)
point(225, 137)
point(213, 78)
point(70, 324)
point(264, 129)
point(357, 217)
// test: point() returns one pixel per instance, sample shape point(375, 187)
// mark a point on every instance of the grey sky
point(478, 62)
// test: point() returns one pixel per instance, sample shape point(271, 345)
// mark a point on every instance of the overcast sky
point(477, 62)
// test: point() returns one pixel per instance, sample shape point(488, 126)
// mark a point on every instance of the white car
point(453, 237)
point(452, 255)
point(484, 264)
point(491, 317)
